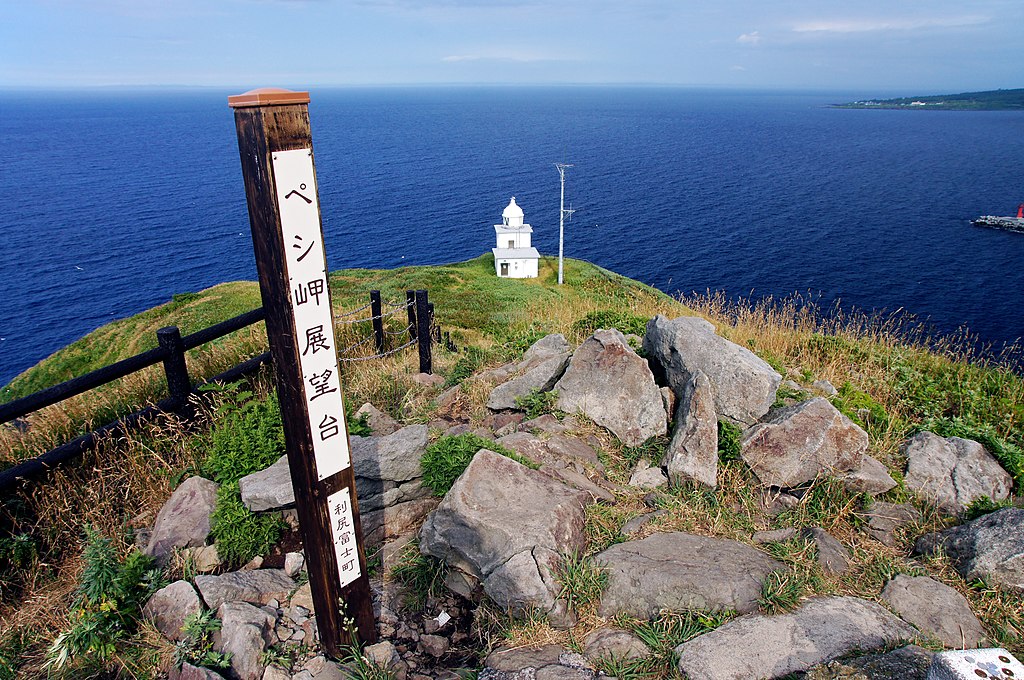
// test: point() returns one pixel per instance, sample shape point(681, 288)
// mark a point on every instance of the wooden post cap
point(267, 96)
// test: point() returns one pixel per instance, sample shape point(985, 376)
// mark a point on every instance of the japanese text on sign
point(339, 507)
point(307, 279)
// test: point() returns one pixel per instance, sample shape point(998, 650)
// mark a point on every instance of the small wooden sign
point(276, 150)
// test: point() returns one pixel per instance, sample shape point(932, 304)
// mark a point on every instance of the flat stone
point(614, 643)
point(906, 663)
point(990, 548)
point(613, 386)
point(646, 476)
point(545, 349)
point(800, 443)
point(692, 453)
point(394, 457)
point(671, 571)
point(170, 606)
point(203, 559)
point(952, 472)
point(557, 451)
point(579, 481)
point(936, 609)
point(541, 378)
point(635, 524)
point(434, 645)
point(268, 489)
point(545, 423)
point(184, 520)
point(380, 423)
point(744, 385)
point(871, 478)
point(190, 672)
point(833, 556)
point(759, 646)
point(395, 520)
point(258, 586)
point(886, 519)
point(774, 536)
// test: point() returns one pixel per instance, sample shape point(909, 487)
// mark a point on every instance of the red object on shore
point(1020, 211)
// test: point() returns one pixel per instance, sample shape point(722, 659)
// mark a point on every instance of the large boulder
point(802, 442)
point(613, 386)
point(542, 365)
point(680, 571)
point(268, 489)
point(692, 453)
point(759, 646)
point(990, 548)
point(936, 609)
point(170, 606)
point(246, 632)
point(558, 450)
point(743, 383)
point(503, 524)
point(952, 472)
point(258, 586)
point(184, 520)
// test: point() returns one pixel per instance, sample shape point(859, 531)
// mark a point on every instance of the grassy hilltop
point(54, 538)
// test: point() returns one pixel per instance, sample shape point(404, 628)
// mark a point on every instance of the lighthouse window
point(511, 244)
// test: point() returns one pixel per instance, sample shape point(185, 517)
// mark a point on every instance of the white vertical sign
point(306, 266)
point(339, 507)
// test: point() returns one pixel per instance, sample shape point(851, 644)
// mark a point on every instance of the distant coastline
point(990, 100)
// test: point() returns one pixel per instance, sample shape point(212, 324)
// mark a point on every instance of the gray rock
point(671, 571)
point(936, 609)
point(833, 556)
point(258, 586)
point(548, 662)
point(802, 442)
point(293, 563)
point(906, 663)
point(886, 519)
point(170, 606)
point(394, 520)
point(825, 387)
point(380, 423)
point(545, 349)
point(526, 580)
point(557, 451)
point(201, 560)
point(545, 423)
point(190, 672)
point(989, 548)
point(871, 477)
point(497, 510)
point(744, 384)
point(434, 645)
point(952, 472)
point(269, 489)
point(184, 520)
point(774, 536)
point(382, 654)
point(614, 643)
point(579, 481)
point(610, 384)
point(635, 524)
point(692, 453)
point(519, 658)
point(394, 457)
point(758, 646)
point(646, 476)
point(540, 378)
point(245, 634)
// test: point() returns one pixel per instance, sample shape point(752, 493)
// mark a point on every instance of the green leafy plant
point(239, 533)
point(247, 438)
point(450, 455)
point(108, 604)
point(283, 655)
point(196, 644)
point(855, 403)
point(12, 648)
point(984, 506)
point(729, 437)
point(781, 592)
point(422, 575)
point(537, 403)
point(624, 322)
point(582, 580)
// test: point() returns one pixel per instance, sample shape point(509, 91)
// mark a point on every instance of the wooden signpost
point(276, 149)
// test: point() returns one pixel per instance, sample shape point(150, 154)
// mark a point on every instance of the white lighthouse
point(514, 256)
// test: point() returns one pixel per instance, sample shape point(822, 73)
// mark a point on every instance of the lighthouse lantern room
point(514, 256)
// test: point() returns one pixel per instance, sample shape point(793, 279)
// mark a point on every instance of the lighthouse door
point(504, 268)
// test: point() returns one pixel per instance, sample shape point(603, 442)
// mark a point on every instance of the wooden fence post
point(423, 331)
point(378, 321)
point(276, 150)
point(410, 305)
point(179, 385)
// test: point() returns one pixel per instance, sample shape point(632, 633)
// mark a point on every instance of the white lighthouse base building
point(514, 257)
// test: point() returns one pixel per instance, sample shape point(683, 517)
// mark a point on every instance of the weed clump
point(624, 322)
point(537, 403)
point(729, 437)
point(450, 455)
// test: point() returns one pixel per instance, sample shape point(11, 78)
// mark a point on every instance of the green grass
point(422, 575)
point(449, 456)
point(582, 581)
point(537, 403)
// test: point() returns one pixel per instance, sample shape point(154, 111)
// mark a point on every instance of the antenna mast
point(562, 213)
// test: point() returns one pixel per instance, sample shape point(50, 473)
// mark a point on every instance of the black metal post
point(378, 322)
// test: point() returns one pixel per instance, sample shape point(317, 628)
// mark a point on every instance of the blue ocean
point(113, 201)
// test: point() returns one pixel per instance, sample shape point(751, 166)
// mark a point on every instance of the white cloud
point(895, 24)
point(749, 38)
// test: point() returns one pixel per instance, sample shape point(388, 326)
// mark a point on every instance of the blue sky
point(870, 45)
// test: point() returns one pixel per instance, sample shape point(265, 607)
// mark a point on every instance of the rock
point(936, 609)
point(671, 571)
point(302, 597)
point(269, 489)
point(906, 663)
point(545, 423)
point(825, 387)
point(871, 477)
point(428, 380)
point(647, 477)
point(190, 672)
point(245, 634)
point(547, 662)
point(382, 654)
point(201, 560)
point(802, 442)
point(556, 451)
point(538, 379)
point(610, 384)
point(744, 385)
point(996, 664)
point(952, 472)
point(989, 548)
point(391, 522)
point(293, 564)
point(774, 536)
point(545, 349)
point(579, 481)
point(759, 646)
point(886, 519)
point(380, 423)
point(614, 643)
point(434, 645)
point(275, 673)
point(833, 556)
point(256, 587)
point(635, 524)
point(692, 453)
point(170, 606)
point(498, 510)
point(184, 520)
point(394, 457)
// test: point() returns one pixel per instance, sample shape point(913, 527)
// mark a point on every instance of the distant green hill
point(991, 100)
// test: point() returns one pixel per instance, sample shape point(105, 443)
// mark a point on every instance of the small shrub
point(983, 506)
point(449, 456)
point(852, 402)
point(196, 645)
point(670, 629)
point(239, 533)
point(785, 394)
point(537, 403)
point(652, 450)
point(421, 574)
point(781, 592)
point(582, 581)
point(729, 437)
point(624, 322)
point(247, 438)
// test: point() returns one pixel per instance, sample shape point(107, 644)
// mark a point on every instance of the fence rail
point(171, 352)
